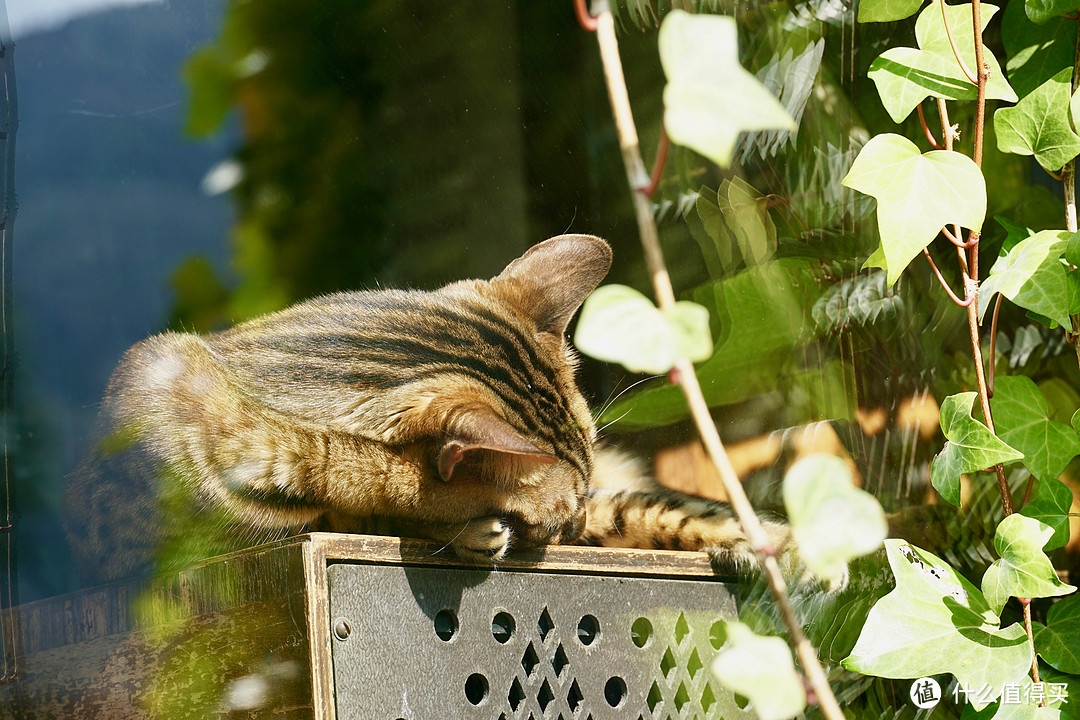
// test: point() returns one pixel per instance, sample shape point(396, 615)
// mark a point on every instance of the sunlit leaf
point(1022, 420)
point(700, 57)
point(1051, 506)
point(1031, 275)
point(833, 521)
point(887, 10)
point(970, 447)
point(1056, 643)
point(761, 317)
point(761, 669)
point(917, 194)
point(935, 621)
point(1039, 124)
point(906, 76)
point(1023, 569)
point(619, 324)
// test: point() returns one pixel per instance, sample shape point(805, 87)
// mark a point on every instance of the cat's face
point(511, 429)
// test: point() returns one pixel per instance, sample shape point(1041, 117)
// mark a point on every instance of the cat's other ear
point(551, 280)
point(482, 429)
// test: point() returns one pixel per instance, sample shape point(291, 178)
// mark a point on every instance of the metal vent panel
point(436, 643)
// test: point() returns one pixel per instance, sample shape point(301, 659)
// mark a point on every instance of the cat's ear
point(550, 281)
point(484, 430)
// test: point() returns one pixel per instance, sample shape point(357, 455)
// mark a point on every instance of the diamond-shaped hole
point(667, 663)
point(545, 625)
point(545, 696)
point(529, 660)
point(559, 662)
point(681, 697)
point(681, 629)
point(707, 698)
point(574, 697)
point(655, 697)
point(516, 695)
point(694, 664)
point(641, 632)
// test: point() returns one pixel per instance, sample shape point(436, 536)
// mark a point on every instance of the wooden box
point(348, 626)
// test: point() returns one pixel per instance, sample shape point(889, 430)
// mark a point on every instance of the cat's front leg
point(664, 519)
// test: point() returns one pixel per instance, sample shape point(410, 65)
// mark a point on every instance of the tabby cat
point(451, 415)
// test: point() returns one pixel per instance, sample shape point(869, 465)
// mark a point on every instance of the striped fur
point(452, 414)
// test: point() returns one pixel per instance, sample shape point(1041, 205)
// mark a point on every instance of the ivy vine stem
point(601, 18)
point(973, 313)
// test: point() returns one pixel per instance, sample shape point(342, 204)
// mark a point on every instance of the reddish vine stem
point(658, 165)
point(973, 315)
point(684, 369)
point(968, 299)
point(927, 131)
point(954, 238)
point(586, 20)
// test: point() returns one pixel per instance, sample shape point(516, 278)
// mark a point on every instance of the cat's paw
point(485, 540)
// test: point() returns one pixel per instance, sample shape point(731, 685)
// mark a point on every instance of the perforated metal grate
point(453, 643)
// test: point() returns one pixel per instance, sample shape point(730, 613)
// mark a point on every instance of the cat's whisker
point(612, 400)
point(604, 427)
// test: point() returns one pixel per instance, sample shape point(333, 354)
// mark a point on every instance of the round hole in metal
point(641, 632)
point(502, 626)
point(476, 688)
point(588, 629)
point(615, 691)
point(446, 624)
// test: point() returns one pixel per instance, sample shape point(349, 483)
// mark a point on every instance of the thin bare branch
point(665, 296)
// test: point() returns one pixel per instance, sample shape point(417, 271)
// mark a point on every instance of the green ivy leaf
point(935, 621)
point(1056, 643)
point(761, 669)
point(970, 447)
point(1039, 124)
point(1013, 233)
point(700, 57)
point(1032, 276)
point(1022, 570)
point(738, 224)
point(619, 324)
point(906, 76)
point(887, 10)
point(1051, 506)
point(1022, 420)
point(1042, 10)
point(1035, 52)
point(917, 194)
point(832, 520)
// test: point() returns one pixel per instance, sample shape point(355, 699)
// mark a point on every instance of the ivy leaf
point(1051, 506)
point(1056, 643)
point(1022, 420)
point(906, 76)
point(917, 194)
point(700, 57)
point(833, 521)
point(1039, 124)
point(970, 447)
point(1013, 233)
point(761, 669)
point(1035, 52)
point(1031, 275)
point(1022, 570)
point(1042, 10)
point(935, 621)
point(619, 324)
point(887, 10)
